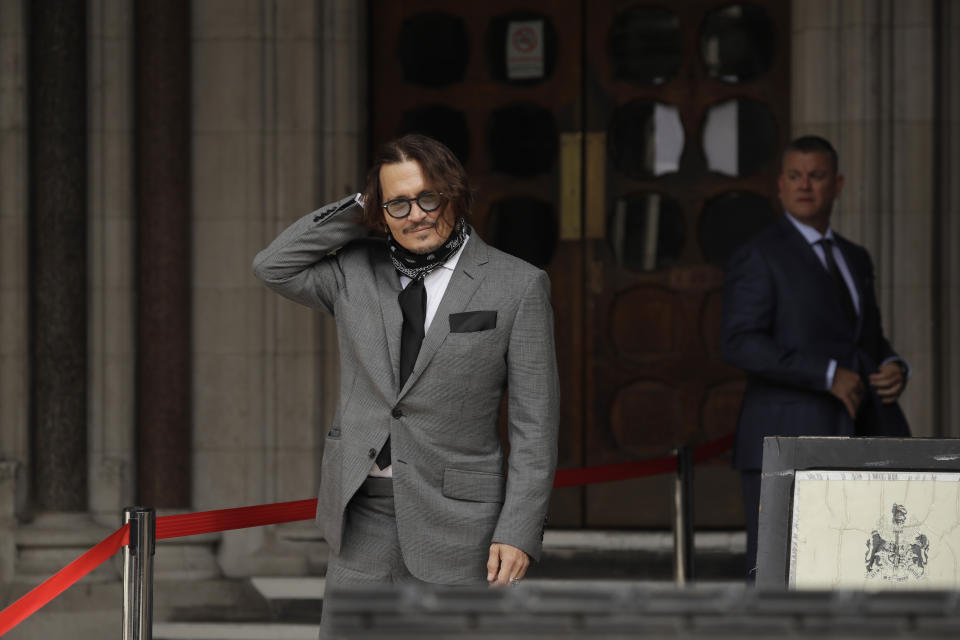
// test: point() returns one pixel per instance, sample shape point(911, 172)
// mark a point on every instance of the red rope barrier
point(613, 472)
point(191, 524)
point(188, 524)
point(713, 448)
point(62, 580)
point(638, 468)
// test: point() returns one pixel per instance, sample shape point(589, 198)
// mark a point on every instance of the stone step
point(234, 631)
point(308, 592)
point(289, 607)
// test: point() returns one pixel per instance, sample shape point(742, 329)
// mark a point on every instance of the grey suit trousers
point(370, 553)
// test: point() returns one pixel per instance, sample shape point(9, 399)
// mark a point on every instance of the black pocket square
point(472, 321)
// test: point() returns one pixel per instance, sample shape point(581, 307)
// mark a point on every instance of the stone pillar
point(863, 76)
point(112, 268)
point(259, 129)
point(58, 238)
point(163, 203)
point(14, 389)
point(343, 142)
point(8, 521)
point(949, 216)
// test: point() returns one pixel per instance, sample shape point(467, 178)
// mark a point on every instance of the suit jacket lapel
point(388, 288)
point(463, 284)
point(814, 266)
point(857, 273)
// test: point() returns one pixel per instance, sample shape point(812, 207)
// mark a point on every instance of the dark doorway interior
point(625, 148)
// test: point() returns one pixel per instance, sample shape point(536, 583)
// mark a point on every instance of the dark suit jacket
point(783, 321)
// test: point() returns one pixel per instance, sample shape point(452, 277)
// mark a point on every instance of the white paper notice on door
point(525, 49)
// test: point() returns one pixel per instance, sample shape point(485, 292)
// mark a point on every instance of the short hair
point(441, 170)
point(812, 144)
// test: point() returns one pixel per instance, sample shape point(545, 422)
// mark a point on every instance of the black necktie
point(837, 277)
point(413, 305)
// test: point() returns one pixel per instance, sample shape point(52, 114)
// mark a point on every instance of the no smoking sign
point(525, 49)
point(525, 40)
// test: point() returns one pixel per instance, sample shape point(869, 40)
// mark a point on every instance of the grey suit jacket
point(452, 495)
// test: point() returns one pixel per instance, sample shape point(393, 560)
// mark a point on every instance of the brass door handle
point(574, 176)
point(596, 183)
point(571, 191)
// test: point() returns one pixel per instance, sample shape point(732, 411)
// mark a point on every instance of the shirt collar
point(811, 235)
point(451, 262)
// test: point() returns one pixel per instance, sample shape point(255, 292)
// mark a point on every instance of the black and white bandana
point(417, 265)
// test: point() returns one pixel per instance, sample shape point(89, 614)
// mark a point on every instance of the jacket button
point(372, 453)
point(396, 413)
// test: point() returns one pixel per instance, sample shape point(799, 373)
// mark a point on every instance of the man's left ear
point(839, 183)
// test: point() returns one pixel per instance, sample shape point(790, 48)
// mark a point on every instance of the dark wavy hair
point(441, 170)
point(812, 144)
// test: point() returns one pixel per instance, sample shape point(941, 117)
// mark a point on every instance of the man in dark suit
point(800, 317)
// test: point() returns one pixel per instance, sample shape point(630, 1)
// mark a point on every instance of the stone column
point(112, 268)
point(260, 123)
point(863, 76)
point(58, 238)
point(258, 410)
point(163, 179)
point(163, 204)
point(949, 216)
point(14, 389)
point(343, 142)
point(8, 521)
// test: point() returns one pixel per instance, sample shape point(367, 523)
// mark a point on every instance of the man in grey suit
point(434, 326)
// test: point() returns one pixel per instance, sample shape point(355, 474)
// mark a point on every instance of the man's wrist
point(904, 369)
point(900, 362)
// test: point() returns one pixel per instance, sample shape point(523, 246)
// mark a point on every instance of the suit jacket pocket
point(469, 321)
point(473, 486)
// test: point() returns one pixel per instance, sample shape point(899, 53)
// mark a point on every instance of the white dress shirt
point(435, 283)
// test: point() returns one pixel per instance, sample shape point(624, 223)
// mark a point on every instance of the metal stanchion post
point(138, 573)
point(683, 518)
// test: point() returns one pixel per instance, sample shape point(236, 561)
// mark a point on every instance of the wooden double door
point(626, 148)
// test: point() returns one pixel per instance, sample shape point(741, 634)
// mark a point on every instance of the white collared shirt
point(435, 283)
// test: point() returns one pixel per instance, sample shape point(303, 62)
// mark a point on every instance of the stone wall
point(272, 138)
point(14, 390)
point(947, 275)
point(111, 250)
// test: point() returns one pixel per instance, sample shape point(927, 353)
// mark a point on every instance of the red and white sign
point(525, 49)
